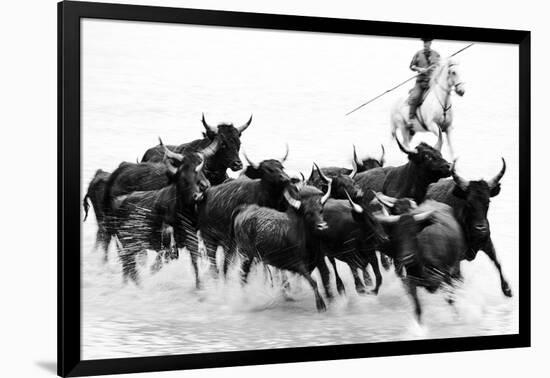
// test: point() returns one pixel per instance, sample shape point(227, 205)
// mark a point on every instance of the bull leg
point(325, 277)
point(245, 269)
point(357, 280)
point(211, 248)
point(366, 275)
point(490, 251)
point(339, 284)
point(192, 245)
point(320, 304)
point(102, 241)
point(158, 263)
point(129, 270)
point(229, 257)
point(412, 290)
point(376, 268)
point(386, 261)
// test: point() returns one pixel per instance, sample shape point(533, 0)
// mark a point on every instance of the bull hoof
point(341, 290)
point(373, 292)
point(361, 290)
point(321, 307)
point(507, 291)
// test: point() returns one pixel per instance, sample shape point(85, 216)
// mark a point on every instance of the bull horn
point(250, 162)
point(439, 143)
point(325, 178)
point(423, 216)
point(386, 219)
point(169, 154)
point(383, 157)
point(403, 148)
point(358, 209)
point(211, 149)
point(384, 199)
point(462, 183)
point(358, 162)
point(495, 180)
point(283, 159)
point(245, 126)
point(291, 201)
point(198, 168)
point(354, 165)
point(173, 170)
point(325, 198)
point(212, 129)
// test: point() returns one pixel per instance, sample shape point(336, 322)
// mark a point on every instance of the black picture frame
point(70, 13)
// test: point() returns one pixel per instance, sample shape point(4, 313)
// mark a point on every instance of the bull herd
point(422, 217)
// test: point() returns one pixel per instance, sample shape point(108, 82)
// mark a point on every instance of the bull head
point(170, 155)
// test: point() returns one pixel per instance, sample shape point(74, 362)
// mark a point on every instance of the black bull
point(427, 241)
point(470, 203)
point(141, 217)
point(425, 166)
point(264, 186)
point(283, 239)
point(225, 138)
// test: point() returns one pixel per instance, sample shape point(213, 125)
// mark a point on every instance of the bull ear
point(495, 190)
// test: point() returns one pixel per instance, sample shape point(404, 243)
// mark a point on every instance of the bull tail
point(86, 206)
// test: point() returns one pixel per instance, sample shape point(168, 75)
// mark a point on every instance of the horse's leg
point(449, 132)
point(489, 249)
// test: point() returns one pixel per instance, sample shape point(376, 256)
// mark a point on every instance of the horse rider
point(422, 62)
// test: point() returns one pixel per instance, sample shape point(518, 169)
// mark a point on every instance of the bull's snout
point(481, 228)
point(236, 165)
point(198, 196)
point(322, 226)
point(460, 90)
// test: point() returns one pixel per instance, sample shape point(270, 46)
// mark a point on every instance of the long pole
point(400, 84)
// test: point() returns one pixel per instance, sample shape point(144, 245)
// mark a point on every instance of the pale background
point(29, 315)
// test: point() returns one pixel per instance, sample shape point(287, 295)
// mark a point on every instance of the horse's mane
point(439, 69)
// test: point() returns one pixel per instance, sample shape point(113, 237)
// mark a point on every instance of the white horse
point(436, 110)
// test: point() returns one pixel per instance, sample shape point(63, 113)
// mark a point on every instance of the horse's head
point(453, 77)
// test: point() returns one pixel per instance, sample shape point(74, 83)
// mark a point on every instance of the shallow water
point(142, 80)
